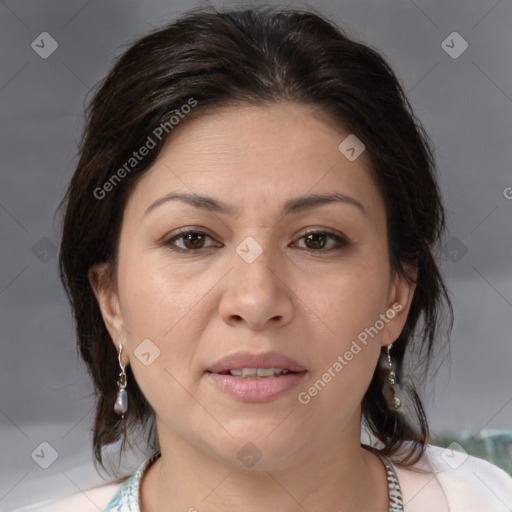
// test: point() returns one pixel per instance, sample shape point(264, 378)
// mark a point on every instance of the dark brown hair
point(254, 56)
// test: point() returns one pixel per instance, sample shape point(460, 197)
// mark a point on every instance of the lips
point(264, 377)
point(267, 360)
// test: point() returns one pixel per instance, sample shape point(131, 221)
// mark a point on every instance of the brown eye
point(190, 241)
point(193, 240)
point(316, 241)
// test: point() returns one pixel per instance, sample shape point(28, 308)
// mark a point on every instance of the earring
point(121, 405)
point(392, 379)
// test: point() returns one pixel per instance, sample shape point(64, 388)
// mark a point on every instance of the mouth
point(256, 378)
point(263, 365)
point(257, 373)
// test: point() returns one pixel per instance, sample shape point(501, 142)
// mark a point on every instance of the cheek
point(348, 301)
point(347, 355)
point(160, 316)
point(349, 330)
point(156, 297)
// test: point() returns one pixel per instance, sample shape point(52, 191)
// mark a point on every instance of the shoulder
point(456, 481)
point(90, 500)
point(112, 497)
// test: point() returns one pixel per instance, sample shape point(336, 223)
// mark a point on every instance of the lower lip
point(256, 390)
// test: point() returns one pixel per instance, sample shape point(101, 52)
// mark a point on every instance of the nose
point(256, 295)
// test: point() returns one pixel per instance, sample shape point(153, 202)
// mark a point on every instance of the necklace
point(396, 503)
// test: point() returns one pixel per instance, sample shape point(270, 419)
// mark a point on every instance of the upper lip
point(241, 360)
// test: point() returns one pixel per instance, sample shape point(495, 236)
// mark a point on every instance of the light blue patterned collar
point(127, 497)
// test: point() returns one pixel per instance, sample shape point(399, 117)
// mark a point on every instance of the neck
point(342, 476)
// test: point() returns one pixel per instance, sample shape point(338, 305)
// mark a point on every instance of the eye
point(193, 240)
point(315, 241)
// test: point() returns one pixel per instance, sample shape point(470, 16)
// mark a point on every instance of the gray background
point(465, 104)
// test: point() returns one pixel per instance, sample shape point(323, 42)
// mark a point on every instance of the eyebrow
point(295, 205)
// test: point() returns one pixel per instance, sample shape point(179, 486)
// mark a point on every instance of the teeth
point(268, 372)
point(248, 373)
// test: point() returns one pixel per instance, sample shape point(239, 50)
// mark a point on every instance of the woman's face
point(250, 279)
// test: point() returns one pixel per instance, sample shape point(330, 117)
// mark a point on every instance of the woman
point(248, 247)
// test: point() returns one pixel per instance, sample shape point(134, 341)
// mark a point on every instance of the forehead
point(257, 156)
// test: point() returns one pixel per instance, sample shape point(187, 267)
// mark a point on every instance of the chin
point(259, 451)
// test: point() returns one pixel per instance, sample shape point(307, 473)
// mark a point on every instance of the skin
point(198, 307)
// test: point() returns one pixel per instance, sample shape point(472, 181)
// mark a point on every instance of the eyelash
point(341, 242)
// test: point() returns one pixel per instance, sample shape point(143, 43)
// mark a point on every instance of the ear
point(401, 293)
point(101, 282)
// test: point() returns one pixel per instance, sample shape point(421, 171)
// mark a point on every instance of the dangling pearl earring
point(121, 405)
point(392, 379)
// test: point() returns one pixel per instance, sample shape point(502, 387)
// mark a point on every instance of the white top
point(442, 481)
